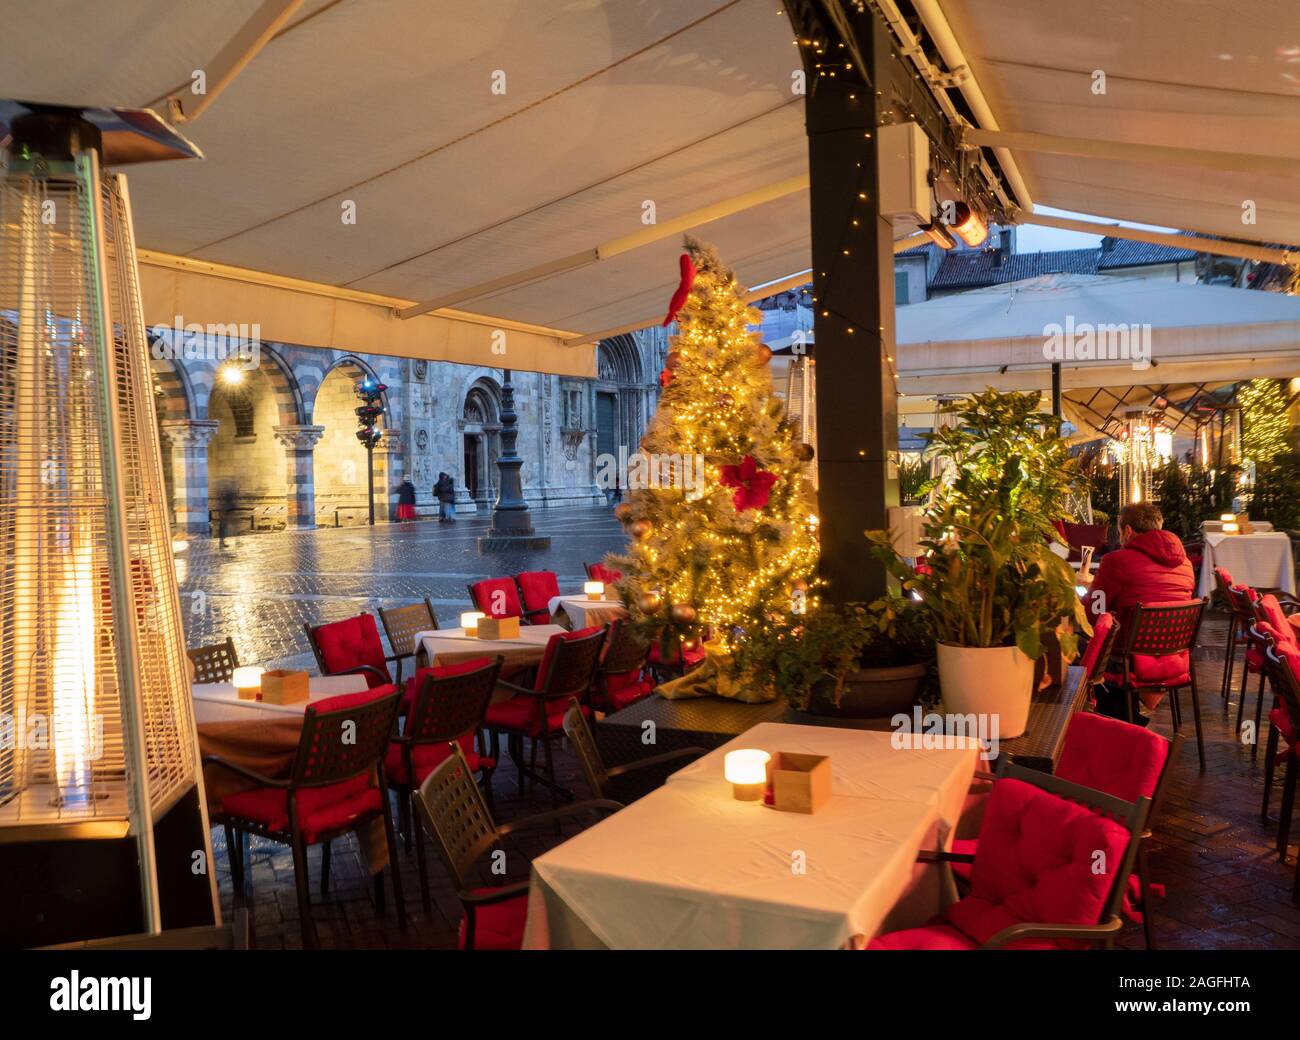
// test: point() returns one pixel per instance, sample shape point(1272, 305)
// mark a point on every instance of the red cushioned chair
point(352, 647)
point(1121, 760)
point(448, 708)
point(1157, 658)
point(1282, 666)
point(497, 597)
point(1034, 883)
point(1243, 616)
point(538, 588)
point(1105, 630)
point(623, 676)
point(599, 572)
point(451, 808)
point(566, 670)
point(337, 784)
point(671, 656)
point(1267, 616)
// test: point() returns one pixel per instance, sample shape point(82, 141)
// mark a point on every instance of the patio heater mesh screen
point(93, 683)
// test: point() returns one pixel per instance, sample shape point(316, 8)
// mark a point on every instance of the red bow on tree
point(753, 485)
point(683, 288)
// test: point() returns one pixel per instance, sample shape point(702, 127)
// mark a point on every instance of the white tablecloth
point(449, 645)
point(1260, 560)
point(582, 612)
point(688, 866)
point(219, 702)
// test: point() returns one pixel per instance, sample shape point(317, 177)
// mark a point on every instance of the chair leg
point(235, 854)
point(516, 746)
point(1175, 710)
point(1229, 660)
point(550, 773)
point(1270, 767)
point(1129, 697)
point(1241, 704)
point(1144, 885)
point(532, 761)
point(394, 868)
point(487, 791)
point(423, 867)
point(1196, 716)
point(1259, 717)
point(404, 816)
point(325, 869)
point(381, 897)
point(1288, 805)
point(305, 920)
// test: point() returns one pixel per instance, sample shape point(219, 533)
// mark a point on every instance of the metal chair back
point(215, 663)
point(452, 809)
point(625, 650)
point(1159, 631)
point(584, 743)
point(452, 706)
point(401, 624)
point(572, 667)
point(344, 743)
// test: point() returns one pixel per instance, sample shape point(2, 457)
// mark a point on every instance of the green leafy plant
point(913, 481)
point(991, 578)
point(1274, 495)
point(993, 429)
point(814, 654)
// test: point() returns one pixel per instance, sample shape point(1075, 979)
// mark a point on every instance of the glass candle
point(594, 589)
point(746, 771)
point(469, 621)
point(248, 682)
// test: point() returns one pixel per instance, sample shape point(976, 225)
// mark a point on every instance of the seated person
point(1150, 567)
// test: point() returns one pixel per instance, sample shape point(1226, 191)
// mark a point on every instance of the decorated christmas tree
point(727, 540)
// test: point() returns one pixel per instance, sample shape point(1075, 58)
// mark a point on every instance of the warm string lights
point(1264, 420)
point(697, 563)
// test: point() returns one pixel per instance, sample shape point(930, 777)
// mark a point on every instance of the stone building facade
point(272, 441)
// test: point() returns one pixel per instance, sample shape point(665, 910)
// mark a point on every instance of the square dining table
point(690, 867)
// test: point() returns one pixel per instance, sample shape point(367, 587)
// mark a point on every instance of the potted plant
point(842, 664)
point(994, 592)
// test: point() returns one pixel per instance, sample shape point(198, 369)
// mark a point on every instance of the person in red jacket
point(1150, 567)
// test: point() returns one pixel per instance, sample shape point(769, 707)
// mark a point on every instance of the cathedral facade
point(268, 436)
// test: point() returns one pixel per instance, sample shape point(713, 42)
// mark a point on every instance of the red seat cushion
point(693, 656)
point(522, 714)
point(497, 597)
point(1168, 670)
point(1111, 756)
point(427, 757)
point(1033, 864)
point(627, 688)
point(320, 809)
point(1100, 630)
point(1272, 612)
point(599, 572)
point(497, 926)
point(538, 588)
point(354, 641)
point(933, 936)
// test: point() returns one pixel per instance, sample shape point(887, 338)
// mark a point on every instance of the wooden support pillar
point(853, 286)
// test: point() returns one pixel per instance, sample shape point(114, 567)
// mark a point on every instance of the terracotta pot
point(995, 680)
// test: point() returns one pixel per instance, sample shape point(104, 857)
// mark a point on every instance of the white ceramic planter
point(997, 680)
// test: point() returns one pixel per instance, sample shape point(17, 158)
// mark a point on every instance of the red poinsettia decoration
point(665, 377)
point(678, 301)
point(753, 485)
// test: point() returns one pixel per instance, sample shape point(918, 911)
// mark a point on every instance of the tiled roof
point(1124, 252)
point(969, 269)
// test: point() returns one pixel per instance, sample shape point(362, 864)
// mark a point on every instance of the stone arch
point(341, 477)
point(619, 361)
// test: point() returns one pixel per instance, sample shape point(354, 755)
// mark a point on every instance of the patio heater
point(1145, 444)
point(102, 823)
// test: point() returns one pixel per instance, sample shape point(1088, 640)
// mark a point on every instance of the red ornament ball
point(682, 613)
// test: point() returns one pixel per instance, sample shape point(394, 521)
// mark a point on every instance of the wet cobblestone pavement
point(262, 588)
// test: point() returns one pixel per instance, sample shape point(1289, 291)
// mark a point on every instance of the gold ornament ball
point(649, 602)
point(800, 585)
point(682, 613)
point(623, 512)
point(673, 359)
point(764, 353)
point(804, 452)
point(640, 529)
point(724, 400)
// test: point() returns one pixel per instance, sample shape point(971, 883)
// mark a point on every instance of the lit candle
point(469, 621)
point(594, 589)
point(248, 682)
point(1227, 518)
point(746, 771)
point(1230, 528)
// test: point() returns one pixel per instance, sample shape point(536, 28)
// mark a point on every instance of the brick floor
point(1226, 888)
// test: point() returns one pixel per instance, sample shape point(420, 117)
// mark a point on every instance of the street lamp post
point(512, 524)
point(369, 434)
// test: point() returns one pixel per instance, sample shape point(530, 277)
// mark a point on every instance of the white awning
point(1009, 335)
point(1217, 77)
